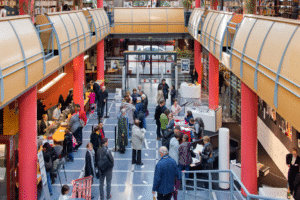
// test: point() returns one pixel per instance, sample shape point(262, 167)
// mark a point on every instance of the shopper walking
point(89, 169)
point(127, 105)
point(173, 94)
point(207, 158)
point(105, 166)
point(82, 119)
point(166, 171)
point(122, 132)
point(158, 111)
point(164, 122)
point(138, 135)
point(139, 113)
point(160, 94)
point(48, 165)
point(165, 87)
point(145, 109)
point(185, 157)
point(102, 98)
point(68, 145)
point(95, 138)
point(293, 162)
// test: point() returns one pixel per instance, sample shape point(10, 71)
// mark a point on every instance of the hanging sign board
point(46, 195)
point(185, 66)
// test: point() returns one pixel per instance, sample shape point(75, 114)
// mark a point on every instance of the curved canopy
point(100, 22)
point(213, 32)
point(22, 61)
point(71, 33)
point(195, 22)
point(148, 20)
point(265, 55)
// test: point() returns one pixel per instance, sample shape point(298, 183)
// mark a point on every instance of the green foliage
point(187, 3)
point(184, 53)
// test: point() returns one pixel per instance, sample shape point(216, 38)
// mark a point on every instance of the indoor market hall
point(149, 99)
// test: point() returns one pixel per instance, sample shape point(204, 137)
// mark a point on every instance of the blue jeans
point(71, 157)
point(144, 122)
point(186, 168)
point(49, 182)
point(192, 134)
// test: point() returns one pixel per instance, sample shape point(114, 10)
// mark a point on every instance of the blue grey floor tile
point(142, 178)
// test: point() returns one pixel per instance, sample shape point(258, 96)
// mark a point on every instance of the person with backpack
point(68, 145)
point(158, 111)
point(105, 164)
point(164, 122)
point(139, 113)
point(95, 138)
point(185, 156)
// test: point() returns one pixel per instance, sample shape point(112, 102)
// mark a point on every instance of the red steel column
point(197, 3)
point(249, 138)
point(213, 89)
point(78, 78)
point(100, 60)
point(100, 52)
point(197, 59)
point(28, 144)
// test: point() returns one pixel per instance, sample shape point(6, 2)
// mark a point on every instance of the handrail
point(233, 188)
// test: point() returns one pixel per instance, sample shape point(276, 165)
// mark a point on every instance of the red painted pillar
point(78, 78)
point(28, 144)
point(197, 59)
point(249, 138)
point(213, 82)
point(100, 60)
point(197, 3)
point(100, 52)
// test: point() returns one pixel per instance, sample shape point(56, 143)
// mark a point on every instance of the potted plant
point(187, 13)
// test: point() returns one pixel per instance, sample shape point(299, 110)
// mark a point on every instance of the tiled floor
point(130, 182)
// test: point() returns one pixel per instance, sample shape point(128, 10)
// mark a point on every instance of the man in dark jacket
point(101, 154)
point(101, 100)
point(96, 139)
point(158, 111)
point(68, 145)
point(166, 171)
point(139, 111)
point(165, 87)
point(206, 158)
point(145, 109)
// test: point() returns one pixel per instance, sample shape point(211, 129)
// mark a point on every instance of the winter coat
point(129, 111)
point(145, 105)
point(170, 125)
point(165, 89)
point(100, 154)
point(185, 157)
point(74, 123)
point(95, 140)
point(138, 110)
point(297, 187)
point(122, 130)
point(89, 164)
point(138, 136)
point(166, 170)
point(159, 96)
point(68, 144)
point(174, 149)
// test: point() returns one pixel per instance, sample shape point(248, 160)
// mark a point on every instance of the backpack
point(104, 163)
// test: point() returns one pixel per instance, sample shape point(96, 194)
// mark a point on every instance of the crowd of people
point(176, 149)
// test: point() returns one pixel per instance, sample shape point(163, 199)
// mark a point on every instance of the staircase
point(212, 185)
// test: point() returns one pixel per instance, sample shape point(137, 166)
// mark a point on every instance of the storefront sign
point(185, 65)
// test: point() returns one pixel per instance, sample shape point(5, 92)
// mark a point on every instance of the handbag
point(147, 113)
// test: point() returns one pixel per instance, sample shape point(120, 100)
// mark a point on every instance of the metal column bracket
point(206, 30)
point(23, 54)
point(279, 68)
point(244, 48)
point(95, 13)
point(42, 48)
point(82, 30)
point(259, 54)
point(231, 49)
point(212, 26)
point(70, 46)
point(1, 85)
point(222, 40)
point(57, 41)
point(217, 33)
point(75, 32)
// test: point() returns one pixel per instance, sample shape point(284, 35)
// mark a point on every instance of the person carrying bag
point(105, 164)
